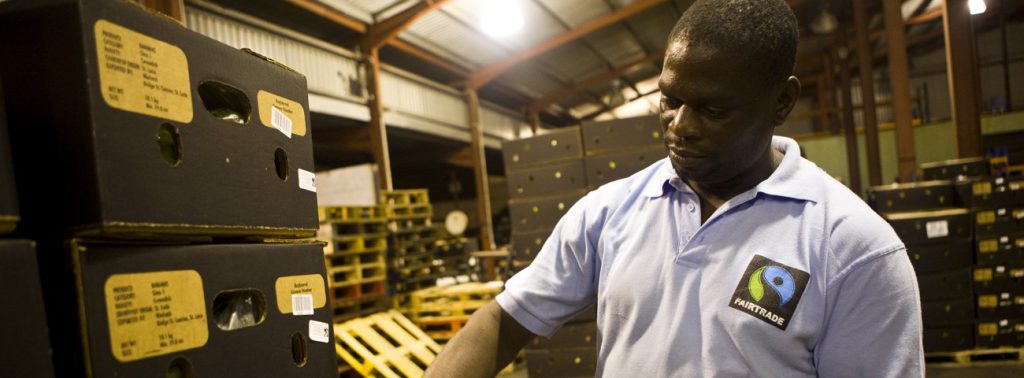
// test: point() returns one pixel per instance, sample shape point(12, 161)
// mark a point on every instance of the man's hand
point(489, 342)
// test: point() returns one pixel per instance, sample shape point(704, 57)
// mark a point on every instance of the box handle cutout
point(225, 102)
point(238, 309)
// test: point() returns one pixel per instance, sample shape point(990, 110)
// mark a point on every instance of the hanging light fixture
point(501, 18)
point(976, 6)
point(825, 23)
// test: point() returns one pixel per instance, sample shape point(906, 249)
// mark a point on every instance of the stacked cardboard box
point(356, 239)
point(570, 352)
point(165, 178)
point(618, 148)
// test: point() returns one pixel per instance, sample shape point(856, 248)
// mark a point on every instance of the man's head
point(726, 84)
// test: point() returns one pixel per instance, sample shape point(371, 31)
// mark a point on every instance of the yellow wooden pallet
point(467, 292)
point(385, 344)
point(351, 214)
point(405, 197)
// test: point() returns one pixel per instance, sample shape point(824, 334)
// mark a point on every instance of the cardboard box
point(628, 133)
point(951, 169)
point(127, 123)
point(1001, 305)
point(358, 185)
point(212, 310)
point(526, 245)
point(998, 278)
point(608, 167)
point(24, 336)
point(579, 362)
point(999, 221)
point(579, 335)
point(1001, 333)
point(936, 226)
point(945, 285)
point(990, 192)
point(568, 176)
point(1000, 249)
point(535, 214)
point(958, 311)
point(8, 193)
point(542, 149)
point(948, 339)
point(937, 257)
point(916, 196)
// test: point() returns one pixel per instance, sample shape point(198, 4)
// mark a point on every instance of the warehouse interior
point(338, 185)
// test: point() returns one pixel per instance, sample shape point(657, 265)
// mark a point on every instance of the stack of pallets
point(356, 239)
point(443, 311)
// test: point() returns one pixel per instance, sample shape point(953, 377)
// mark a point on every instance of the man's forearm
point(490, 340)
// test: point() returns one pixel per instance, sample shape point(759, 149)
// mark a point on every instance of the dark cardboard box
point(579, 362)
point(997, 278)
point(936, 226)
point(945, 285)
point(990, 192)
point(8, 193)
point(24, 341)
point(148, 309)
point(129, 123)
point(548, 148)
point(605, 168)
point(999, 221)
point(1001, 333)
point(948, 339)
point(951, 169)
point(958, 311)
point(534, 214)
point(526, 245)
point(578, 335)
point(915, 196)
point(569, 176)
point(1001, 305)
point(1000, 249)
point(937, 257)
point(626, 133)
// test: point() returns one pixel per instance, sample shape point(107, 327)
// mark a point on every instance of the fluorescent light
point(501, 18)
point(976, 6)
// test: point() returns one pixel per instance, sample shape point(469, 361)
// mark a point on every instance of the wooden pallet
point(976, 355)
point(376, 228)
point(351, 274)
point(353, 214)
point(356, 258)
point(402, 225)
point(385, 344)
point(342, 293)
point(452, 301)
point(442, 329)
point(405, 197)
point(360, 306)
point(359, 243)
point(408, 212)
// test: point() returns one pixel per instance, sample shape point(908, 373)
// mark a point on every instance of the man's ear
point(786, 100)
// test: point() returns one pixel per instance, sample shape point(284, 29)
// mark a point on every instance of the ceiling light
point(825, 23)
point(976, 6)
point(501, 18)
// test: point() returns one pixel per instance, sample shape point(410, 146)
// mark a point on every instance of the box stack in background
point(546, 176)
point(24, 336)
point(356, 248)
point(962, 230)
point(419, 252)
point(618, 148)
point(570, 352)
point(165, 178)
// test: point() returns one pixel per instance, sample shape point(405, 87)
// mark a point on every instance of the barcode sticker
point(307, 180)
point(281, 121)
point(937, 229)
point(319, 331)
point(302, 304)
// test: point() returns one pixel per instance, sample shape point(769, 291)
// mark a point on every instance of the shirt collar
point(792, 178)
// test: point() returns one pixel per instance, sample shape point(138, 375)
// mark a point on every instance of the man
point(732, 257)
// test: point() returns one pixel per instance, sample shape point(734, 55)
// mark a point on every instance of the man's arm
point(874, 326)
point(489, 342)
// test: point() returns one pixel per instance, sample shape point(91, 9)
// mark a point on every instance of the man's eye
point(714, 113)
point(671, 103)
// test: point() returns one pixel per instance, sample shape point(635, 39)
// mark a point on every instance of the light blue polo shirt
point(795, 277)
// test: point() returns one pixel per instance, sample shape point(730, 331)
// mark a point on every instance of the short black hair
point(764, 30)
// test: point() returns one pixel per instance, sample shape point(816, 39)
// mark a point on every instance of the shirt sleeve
point(561, 280)
point(873, 327)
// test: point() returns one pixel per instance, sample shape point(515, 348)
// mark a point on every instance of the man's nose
point(684, 124)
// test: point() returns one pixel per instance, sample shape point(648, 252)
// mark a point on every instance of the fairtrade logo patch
point(769, 291)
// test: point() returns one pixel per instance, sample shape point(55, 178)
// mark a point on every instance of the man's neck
point(713, 196)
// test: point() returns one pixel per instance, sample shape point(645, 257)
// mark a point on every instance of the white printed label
point(302, 304)
point(937, 229)
point(281, 121)
point(1004, 239)
point(1000, 269)
point(319, 331)
point(307, 180)
point(1004, 323)
point(999, 181)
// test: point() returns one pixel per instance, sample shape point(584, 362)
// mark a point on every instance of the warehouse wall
point(932, 142)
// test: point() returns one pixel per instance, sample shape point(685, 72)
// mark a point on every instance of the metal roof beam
point(492, 71)
point(330, 14)
point(386, 30)
point(600, 77)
